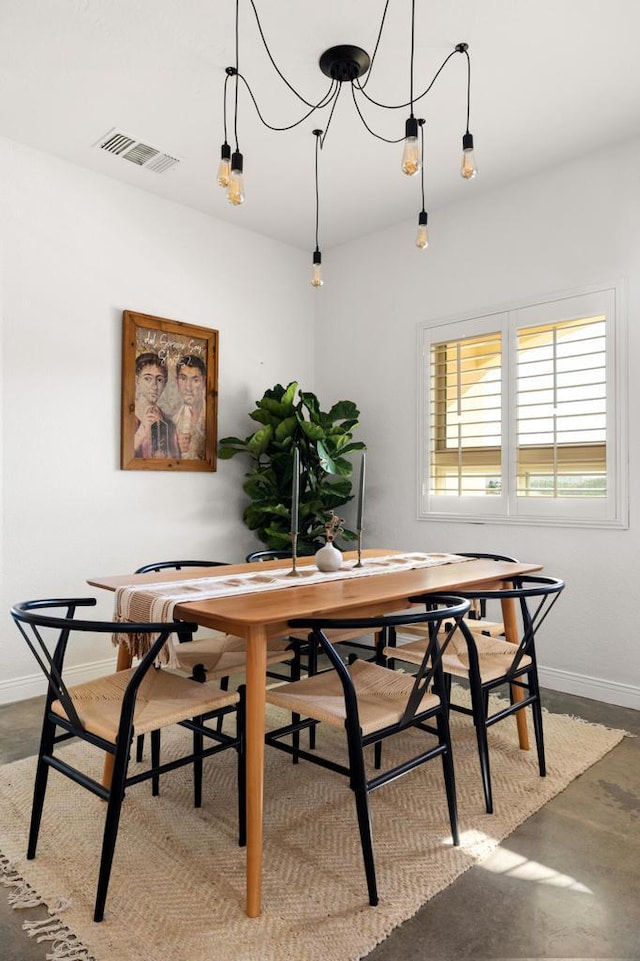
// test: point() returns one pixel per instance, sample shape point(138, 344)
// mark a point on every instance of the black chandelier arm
point(375, 49)
point(224, 106)
point(413, 48)
point(421, 124)
point(318, 136)
point(366, 125)
point(323, 137)
point(326, 100)
point(466, 52)
point(403, 106)
point(279, 72)
point(237, 68)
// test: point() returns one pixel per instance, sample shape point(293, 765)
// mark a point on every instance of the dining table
point(262, 614)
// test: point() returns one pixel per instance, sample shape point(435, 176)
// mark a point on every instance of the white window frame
point(611, 511)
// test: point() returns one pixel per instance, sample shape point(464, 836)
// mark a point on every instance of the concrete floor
point(521, 903)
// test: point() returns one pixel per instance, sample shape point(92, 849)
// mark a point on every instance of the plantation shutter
point(466, 416)
point(561, 409)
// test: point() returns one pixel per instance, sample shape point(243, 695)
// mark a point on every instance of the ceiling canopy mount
point(344, 63)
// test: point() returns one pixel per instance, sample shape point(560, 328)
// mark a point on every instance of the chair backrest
point(268, 555)
point(442, 608)
point(536, 594)
point(47, 636)
point(486, 557)
point(482, 604)
point(177, 565)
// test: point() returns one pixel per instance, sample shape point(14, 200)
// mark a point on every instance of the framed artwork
point(169, 394)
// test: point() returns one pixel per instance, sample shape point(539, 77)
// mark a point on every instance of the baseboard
point(33, 685)
point(596, 688)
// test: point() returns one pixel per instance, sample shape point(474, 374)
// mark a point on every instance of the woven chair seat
point(491, 628)
point(494, 656)
point(163, 698)
point(382, 696)
point(223, 654)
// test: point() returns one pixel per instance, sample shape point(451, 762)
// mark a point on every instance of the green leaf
point(342, 466)
point(259, 442)
point(262, 416)
point(344, 410)
point(286, 428)
point(312, 404)
point(230, 446)
point(312, 431)
point(289, 395)
point(325, 459)
point(356, 445)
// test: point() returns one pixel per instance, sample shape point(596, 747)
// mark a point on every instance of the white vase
point(328, 558)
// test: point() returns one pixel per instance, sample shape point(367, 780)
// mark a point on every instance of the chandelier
point(343, 65)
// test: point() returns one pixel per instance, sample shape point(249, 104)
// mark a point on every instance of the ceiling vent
point(142, 154)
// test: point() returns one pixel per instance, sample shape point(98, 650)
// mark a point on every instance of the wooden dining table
point(262, 615)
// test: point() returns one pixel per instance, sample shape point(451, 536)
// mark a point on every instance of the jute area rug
point(177, 888)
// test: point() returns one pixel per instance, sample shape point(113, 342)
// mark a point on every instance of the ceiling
point(552, 80)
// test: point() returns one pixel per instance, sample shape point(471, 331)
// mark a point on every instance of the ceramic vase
point(328, 558)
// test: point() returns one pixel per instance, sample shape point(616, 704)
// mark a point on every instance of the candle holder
point(359, 561)
point(294, 555)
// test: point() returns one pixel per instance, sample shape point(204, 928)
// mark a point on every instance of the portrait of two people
point(170, 408)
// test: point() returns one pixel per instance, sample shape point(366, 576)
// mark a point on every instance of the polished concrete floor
point(564, 885)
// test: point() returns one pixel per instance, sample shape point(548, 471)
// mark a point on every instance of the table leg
point(123, 663)
point(509, 619)
point(256, 686)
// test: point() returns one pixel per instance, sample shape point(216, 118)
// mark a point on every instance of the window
point(523, 414)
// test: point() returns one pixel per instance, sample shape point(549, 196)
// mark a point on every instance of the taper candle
point(295, 491)
point(361, 495)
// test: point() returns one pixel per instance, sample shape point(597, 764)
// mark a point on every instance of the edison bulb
point(224, 168)
point(316, 273)
point(235, 192)
point(411, 161)
point(422, 236)
point(468, 168)
point(411, 156)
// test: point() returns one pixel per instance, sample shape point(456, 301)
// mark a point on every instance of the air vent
point(135, 151)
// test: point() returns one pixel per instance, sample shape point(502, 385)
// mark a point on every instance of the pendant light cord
point(375, 49)
point(421, 123)
point(413, 45)
point(277, 69)
point(235, 115)
point(468, 86)
point(332, 94)
point(318, 135)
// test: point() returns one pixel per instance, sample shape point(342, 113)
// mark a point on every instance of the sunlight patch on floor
point(506, 862)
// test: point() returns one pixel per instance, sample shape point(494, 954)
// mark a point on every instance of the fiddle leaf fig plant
point(289, 418)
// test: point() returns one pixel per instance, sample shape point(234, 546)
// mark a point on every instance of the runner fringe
point(66, 946)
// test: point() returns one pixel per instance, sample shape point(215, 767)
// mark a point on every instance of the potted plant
point(289, 418)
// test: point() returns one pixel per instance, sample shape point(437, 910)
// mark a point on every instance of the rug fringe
point(585, 723)
point(66, 946)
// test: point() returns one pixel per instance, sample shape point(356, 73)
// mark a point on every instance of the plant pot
point(328, 558)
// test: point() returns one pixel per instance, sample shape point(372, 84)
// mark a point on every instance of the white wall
point(76, 250)
point(573, 226)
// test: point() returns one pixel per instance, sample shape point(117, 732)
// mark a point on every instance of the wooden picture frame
point(169, 394)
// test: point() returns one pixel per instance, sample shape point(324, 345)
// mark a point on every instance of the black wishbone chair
point(369, 703)
point(215, 657)
point(108, 712)
point(490, 662)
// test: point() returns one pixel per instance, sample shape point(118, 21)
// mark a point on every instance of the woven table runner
point(156, 602)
